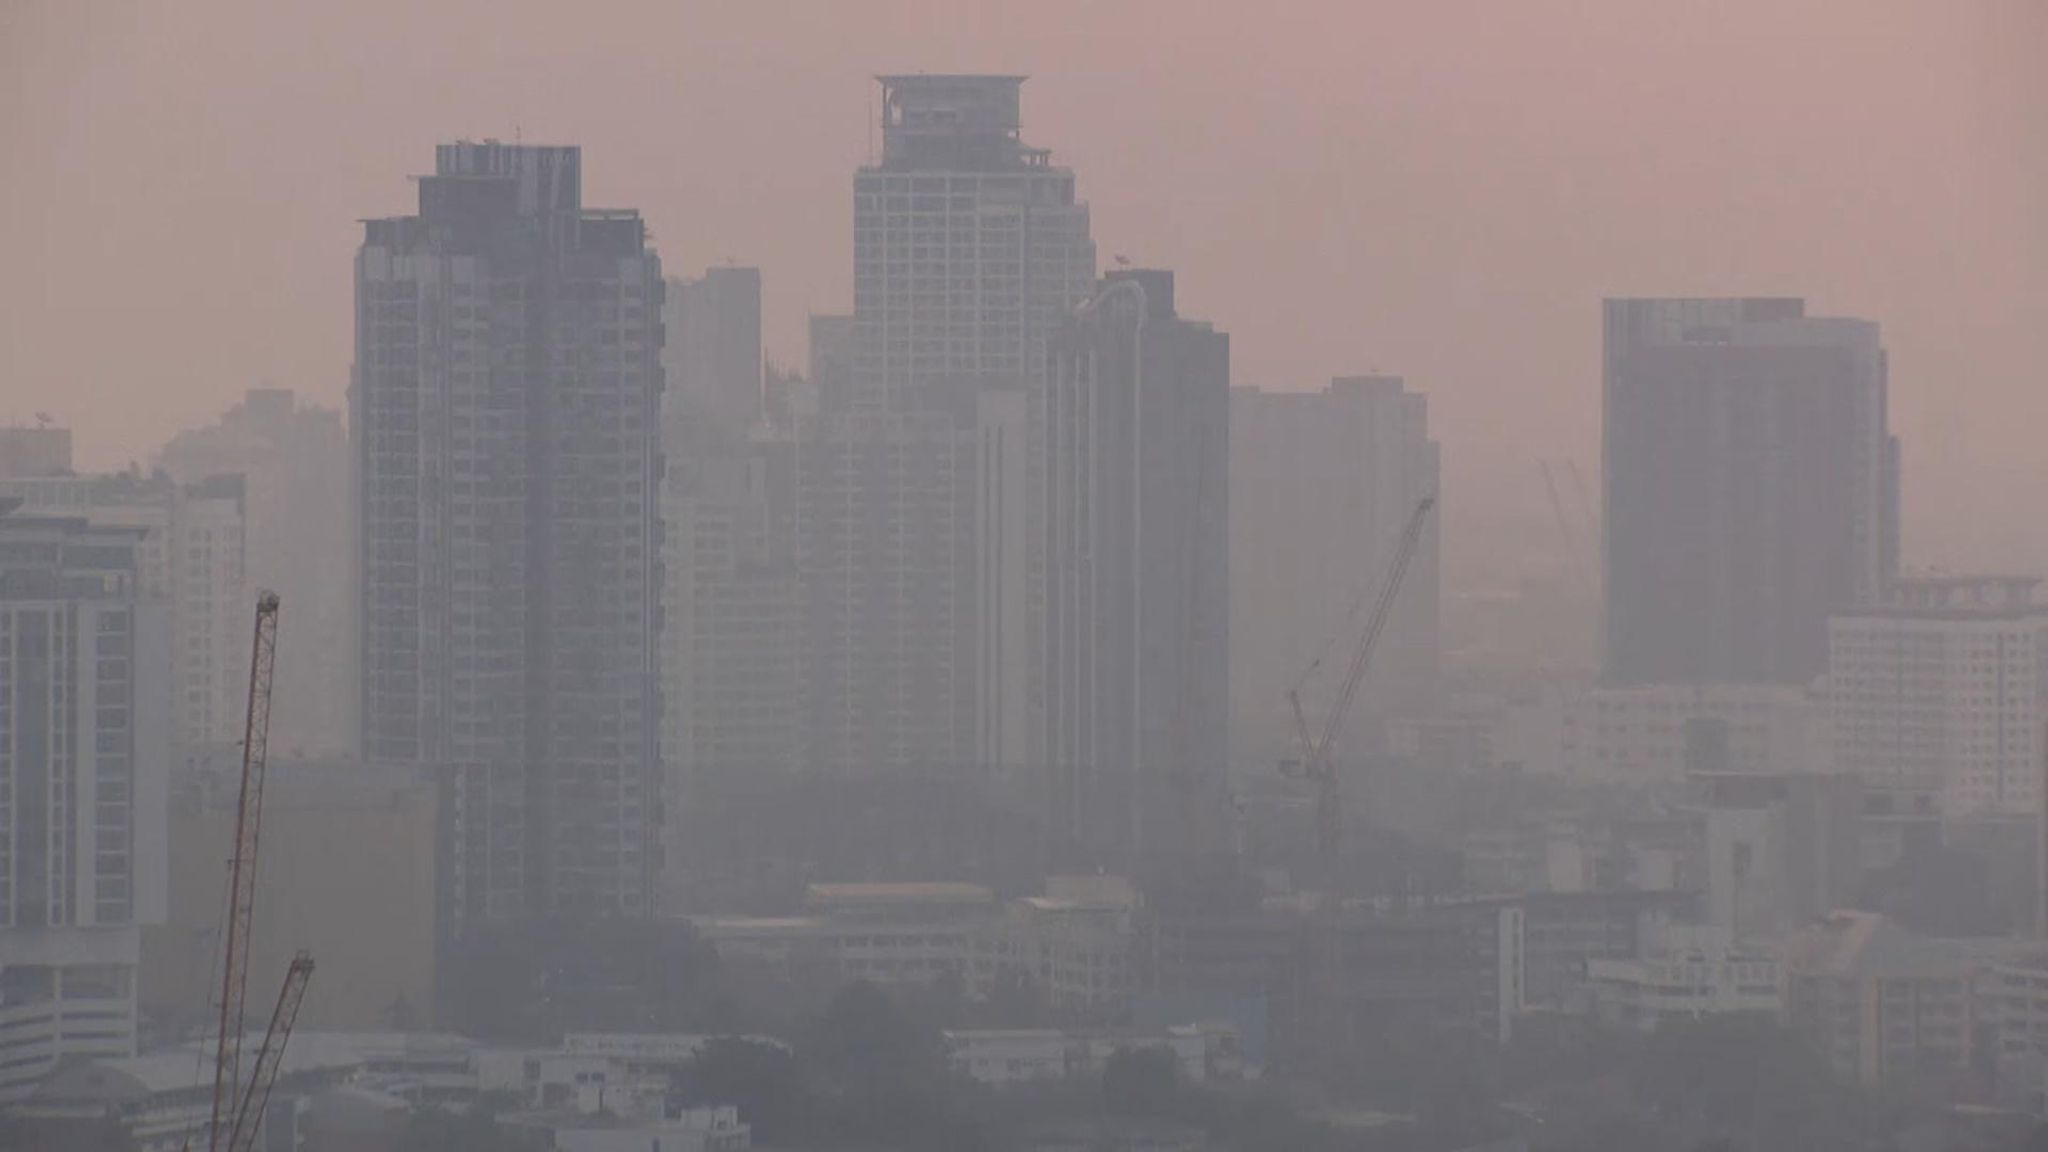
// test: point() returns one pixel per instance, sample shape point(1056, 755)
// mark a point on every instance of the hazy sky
point(1443, 190)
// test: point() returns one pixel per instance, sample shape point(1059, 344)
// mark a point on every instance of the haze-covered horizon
point(1342, 187)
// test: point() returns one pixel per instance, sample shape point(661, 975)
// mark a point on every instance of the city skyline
point(1391, 244)
point(1190, 576)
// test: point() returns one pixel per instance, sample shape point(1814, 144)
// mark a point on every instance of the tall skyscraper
point(1943, 687)
point(968, 246)
point(1321, 486)
point(1751, 487)
point(1137, 461)
point(294, 461)
point(84, 743)
point(506, 411)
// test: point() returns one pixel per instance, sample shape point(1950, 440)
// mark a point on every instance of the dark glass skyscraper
point(1752, 487)
point(1137, 559)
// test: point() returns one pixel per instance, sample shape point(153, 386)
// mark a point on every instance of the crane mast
point(1316, 765)
point(234, 983)
point(270, 1057)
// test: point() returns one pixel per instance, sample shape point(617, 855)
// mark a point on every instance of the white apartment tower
point(968, 246)
point(83, 783)
point(1942, 687)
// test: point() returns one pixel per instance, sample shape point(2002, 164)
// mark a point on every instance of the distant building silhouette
point(294, 461)
point(505, 409)
point(1751, 487)
point(1321, 485)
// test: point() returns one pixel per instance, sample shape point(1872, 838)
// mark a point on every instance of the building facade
point(1136, 605)
point(293, 458)
point(506, 416)
point(1942, 687)
point(969, 247)
point(1686, 972)
point(1751, 487)
point(1321, 486)
point(84, 765)
point(191, 556)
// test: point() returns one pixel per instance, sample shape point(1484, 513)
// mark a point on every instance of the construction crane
point(1317, 765)
point(1573, 551)
point(228, 1101)
point(270, 1057)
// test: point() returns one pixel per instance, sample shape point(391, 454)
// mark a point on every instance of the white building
point(1942, 687)
point(969, 247)
point(191, 556)
point(84, 739)
point(1686, 972)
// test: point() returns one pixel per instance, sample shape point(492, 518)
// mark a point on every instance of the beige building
point(347, 871)
point(1883, 1004)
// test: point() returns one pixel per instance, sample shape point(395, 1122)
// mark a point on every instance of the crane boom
point(1576, 555)
point(270, 1057)
point(1328, 962)
point(234, 980)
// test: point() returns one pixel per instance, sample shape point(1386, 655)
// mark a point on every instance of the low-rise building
point(686, 1130)
point(1026, 1055)
point(1686, 972)
point(1883, 1004)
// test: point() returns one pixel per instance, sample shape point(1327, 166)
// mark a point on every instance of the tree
point(1141, 1081)
point(760, 1078)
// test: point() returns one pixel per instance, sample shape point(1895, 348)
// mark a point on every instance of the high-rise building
point(190, 556)
point(1321, 486)
point(1137, 461)
point(1943, 686)
point(293, 458)
point(885, 536)
point(968, 246)
point(506, 418)
point(1752, 487)
point(713, 353)
point(84, 742)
